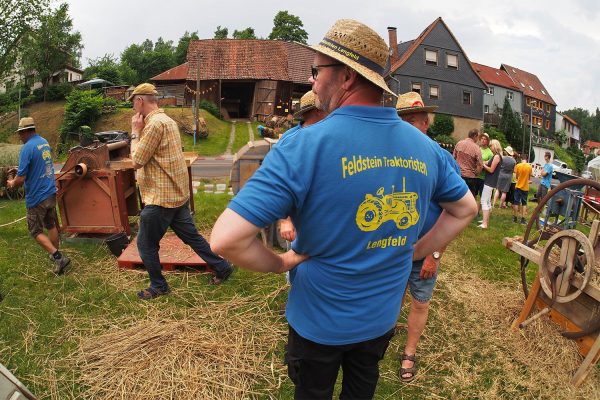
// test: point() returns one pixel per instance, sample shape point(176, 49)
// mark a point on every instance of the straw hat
point(486, 135)
point(143, 88)
point(307, 103)
point(356, 45)
point(412, 102)
point(509, 150)
point(26, 123)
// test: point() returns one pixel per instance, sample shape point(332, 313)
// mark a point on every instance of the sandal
point(151, 293)
point(412, 370)
point(217, 280)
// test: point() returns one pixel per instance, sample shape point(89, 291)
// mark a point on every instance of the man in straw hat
point(423, 275)
point(37, 173)
point(308, 114)
point(355, 185)
point(163, 180)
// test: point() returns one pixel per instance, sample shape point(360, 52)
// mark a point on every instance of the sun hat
point(359, 47)
point(412, 102)
point(486, 135)
point(26, 123)
point(143, 88)
point(307, 103)
point(509, 150)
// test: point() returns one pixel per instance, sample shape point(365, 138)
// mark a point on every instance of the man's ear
point(350, 78)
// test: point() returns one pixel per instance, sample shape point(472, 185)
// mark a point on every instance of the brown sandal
point(412, 370)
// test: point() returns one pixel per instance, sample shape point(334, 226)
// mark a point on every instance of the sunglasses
point(314, 69)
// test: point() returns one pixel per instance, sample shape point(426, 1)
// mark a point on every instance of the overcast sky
point(559, 41)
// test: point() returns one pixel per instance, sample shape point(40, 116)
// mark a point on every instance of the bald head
point(419, 120)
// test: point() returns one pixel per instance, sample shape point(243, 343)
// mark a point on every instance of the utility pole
point(197, 97)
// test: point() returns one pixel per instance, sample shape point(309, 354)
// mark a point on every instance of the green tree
point(443, 124)
point(510, 125)
point(52, 46)
point(221, 33)
point(288, 27)
point(18, 18)
point(560, 137)
point(140, 62)
point(83, 107)
point(247, 33)
point(182, 46)
point(105, 67)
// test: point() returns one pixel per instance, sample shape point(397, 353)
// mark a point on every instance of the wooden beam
point(516, 246)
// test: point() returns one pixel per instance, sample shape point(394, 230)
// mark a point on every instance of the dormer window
point(452, 61)
point(522, 84)
point(431, 57)
point(543, 92)
point(530, 87)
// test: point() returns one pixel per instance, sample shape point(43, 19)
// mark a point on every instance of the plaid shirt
point(163, 179)
point(468, 156)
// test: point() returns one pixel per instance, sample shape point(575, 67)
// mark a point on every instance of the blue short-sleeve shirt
point(358, 186)
point(547, 180)
point(35, 163)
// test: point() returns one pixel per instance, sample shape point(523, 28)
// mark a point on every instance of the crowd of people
point(367, 201)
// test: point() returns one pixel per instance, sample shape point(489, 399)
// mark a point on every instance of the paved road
point(204, 167)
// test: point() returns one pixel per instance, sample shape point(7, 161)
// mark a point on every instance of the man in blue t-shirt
point(546, 181)
point(37, 173)
point(357, 185)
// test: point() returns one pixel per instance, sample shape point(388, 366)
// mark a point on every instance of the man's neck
point(360, 96)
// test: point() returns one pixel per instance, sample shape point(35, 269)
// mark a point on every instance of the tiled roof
point(592, 144)
point(495, 76)
point(529, 83)
point(571, 120)
point(405, 54)
point(178, 73)
point(250, 59)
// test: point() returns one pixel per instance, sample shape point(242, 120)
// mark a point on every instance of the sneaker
point(523, 221)
point(217, 280)
point(514, 219)
point(61, 264)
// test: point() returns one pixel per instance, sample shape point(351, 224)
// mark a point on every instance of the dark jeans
point(154, 222)
point(472, 184)
point(314, 367)
point(479, 187)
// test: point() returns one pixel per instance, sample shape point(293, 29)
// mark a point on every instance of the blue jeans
point(420, 289)
point(154, 222)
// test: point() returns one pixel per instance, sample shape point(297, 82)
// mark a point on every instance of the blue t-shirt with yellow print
point(357, 185)
point(35, 163)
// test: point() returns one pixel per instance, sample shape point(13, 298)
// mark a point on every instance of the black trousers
point(473, 185)
point(314, 367)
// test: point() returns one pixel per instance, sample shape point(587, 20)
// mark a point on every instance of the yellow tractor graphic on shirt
point(399, 207)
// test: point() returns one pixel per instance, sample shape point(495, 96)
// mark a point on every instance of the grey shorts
point(42, 216)
point(420, 289)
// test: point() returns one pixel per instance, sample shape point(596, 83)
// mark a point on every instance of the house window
point(490, 90)
point(416, 87)
point(466, 97)
point(486, 109)
point(547, 124)
point(547, 107)
point(509, 95)
point(431, 57)
point(434, 92)
point(452, 61)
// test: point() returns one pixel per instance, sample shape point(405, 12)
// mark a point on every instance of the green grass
point(9, 155)
point(465, 353)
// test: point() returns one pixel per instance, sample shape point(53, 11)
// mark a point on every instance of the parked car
point(561, 166)
point(587, 174)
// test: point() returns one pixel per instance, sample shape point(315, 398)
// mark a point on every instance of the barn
point(251, 78)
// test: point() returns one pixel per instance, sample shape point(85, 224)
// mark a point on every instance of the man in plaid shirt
point(163, 180)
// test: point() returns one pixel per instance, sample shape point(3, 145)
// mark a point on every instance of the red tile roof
point(250, 59)
point(178, 73)
point(495, 76)
point(591, 144)
point(417, 42)
point(529, 83)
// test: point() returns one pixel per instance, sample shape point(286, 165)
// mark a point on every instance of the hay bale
point(9, 154)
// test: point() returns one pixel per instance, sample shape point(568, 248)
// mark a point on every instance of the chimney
point(393, 43)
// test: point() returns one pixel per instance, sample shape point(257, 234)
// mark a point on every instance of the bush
point(578, 158)
point(210, 107)
point(442, 125)
point(83, 107)
point(59, 91)
point(498, 135)
point(446, 141)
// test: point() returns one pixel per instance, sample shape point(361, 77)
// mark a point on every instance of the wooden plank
point(529, 303)
point(567, 258)
point(522, 250)
point(588, 364)
point(589, 289)
point(594, 232)
point(246, 171)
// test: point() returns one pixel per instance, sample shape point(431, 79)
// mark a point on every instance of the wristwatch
point(436, 255)
point(134, 137)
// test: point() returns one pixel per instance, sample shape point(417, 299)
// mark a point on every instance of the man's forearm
point(453, 220)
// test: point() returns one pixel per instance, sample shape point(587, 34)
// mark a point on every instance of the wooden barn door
point(264, 98)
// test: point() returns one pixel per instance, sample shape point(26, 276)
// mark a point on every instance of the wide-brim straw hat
point(307, 103)
point(509, 150)
point(412, 102)
point(26, 123)
point(356, 45)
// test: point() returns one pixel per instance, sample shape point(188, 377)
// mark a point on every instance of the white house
point(569, 125)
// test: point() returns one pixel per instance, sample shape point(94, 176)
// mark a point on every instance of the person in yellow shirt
point(523, 172)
